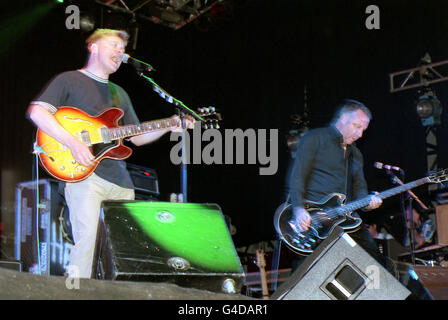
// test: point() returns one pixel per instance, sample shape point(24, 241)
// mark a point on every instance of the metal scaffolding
point(170, 13)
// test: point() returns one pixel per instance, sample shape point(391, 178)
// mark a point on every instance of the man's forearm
point(148, 137)
point(46, 122)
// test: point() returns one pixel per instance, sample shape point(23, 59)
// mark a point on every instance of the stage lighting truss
point(429, 109)
point(425, 74)
point(170, 13)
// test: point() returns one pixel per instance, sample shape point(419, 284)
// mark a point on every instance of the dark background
point(252, 62)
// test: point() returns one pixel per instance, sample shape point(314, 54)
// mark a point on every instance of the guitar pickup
point(105, 134)
point(307, 245)
point(311, 240)
point(84, 137)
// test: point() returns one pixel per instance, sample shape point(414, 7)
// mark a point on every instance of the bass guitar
point(102, 135)
point(332, 211)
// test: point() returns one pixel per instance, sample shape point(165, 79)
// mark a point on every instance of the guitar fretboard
point(145, 127)
point(364, 202)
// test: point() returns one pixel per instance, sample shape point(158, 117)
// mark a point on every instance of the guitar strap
point(349, 174)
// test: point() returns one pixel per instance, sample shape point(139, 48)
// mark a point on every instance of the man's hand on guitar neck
point(375, 202)
point(150, 137)
point(189, 123)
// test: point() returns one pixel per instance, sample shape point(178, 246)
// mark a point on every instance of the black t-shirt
point(92, 95)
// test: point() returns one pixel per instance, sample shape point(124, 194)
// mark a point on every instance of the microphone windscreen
point(125, 57)
point(378, 165)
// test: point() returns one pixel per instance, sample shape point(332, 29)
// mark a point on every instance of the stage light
point(87, 23)
point(429, 109)
point(424, 108)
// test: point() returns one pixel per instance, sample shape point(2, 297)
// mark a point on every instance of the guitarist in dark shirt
point(327, 161)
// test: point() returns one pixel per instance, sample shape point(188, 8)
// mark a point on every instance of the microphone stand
point(183, 110)
point(406, 204)
point(410, 216)
point(183, 163)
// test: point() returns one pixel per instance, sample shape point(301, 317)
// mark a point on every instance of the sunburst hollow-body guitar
point(101, 134)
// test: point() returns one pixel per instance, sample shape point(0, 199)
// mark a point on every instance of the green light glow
point(196, 232)
point(13, 28)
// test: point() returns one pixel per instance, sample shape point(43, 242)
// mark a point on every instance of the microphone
point(380, 166)
point(136, 63)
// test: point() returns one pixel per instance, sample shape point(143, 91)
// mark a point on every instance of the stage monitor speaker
point(339, 269)
point(11, 264)
point(41, 242)
point(183, 243)
point(442, 224)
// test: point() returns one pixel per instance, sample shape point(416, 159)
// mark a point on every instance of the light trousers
point(84, 200)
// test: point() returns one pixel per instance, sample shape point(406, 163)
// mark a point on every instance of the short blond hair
point(101, 33)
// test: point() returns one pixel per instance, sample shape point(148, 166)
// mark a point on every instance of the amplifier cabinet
point(41, 244)
point(442, 224)
point(145, 180)
point(183, 243)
